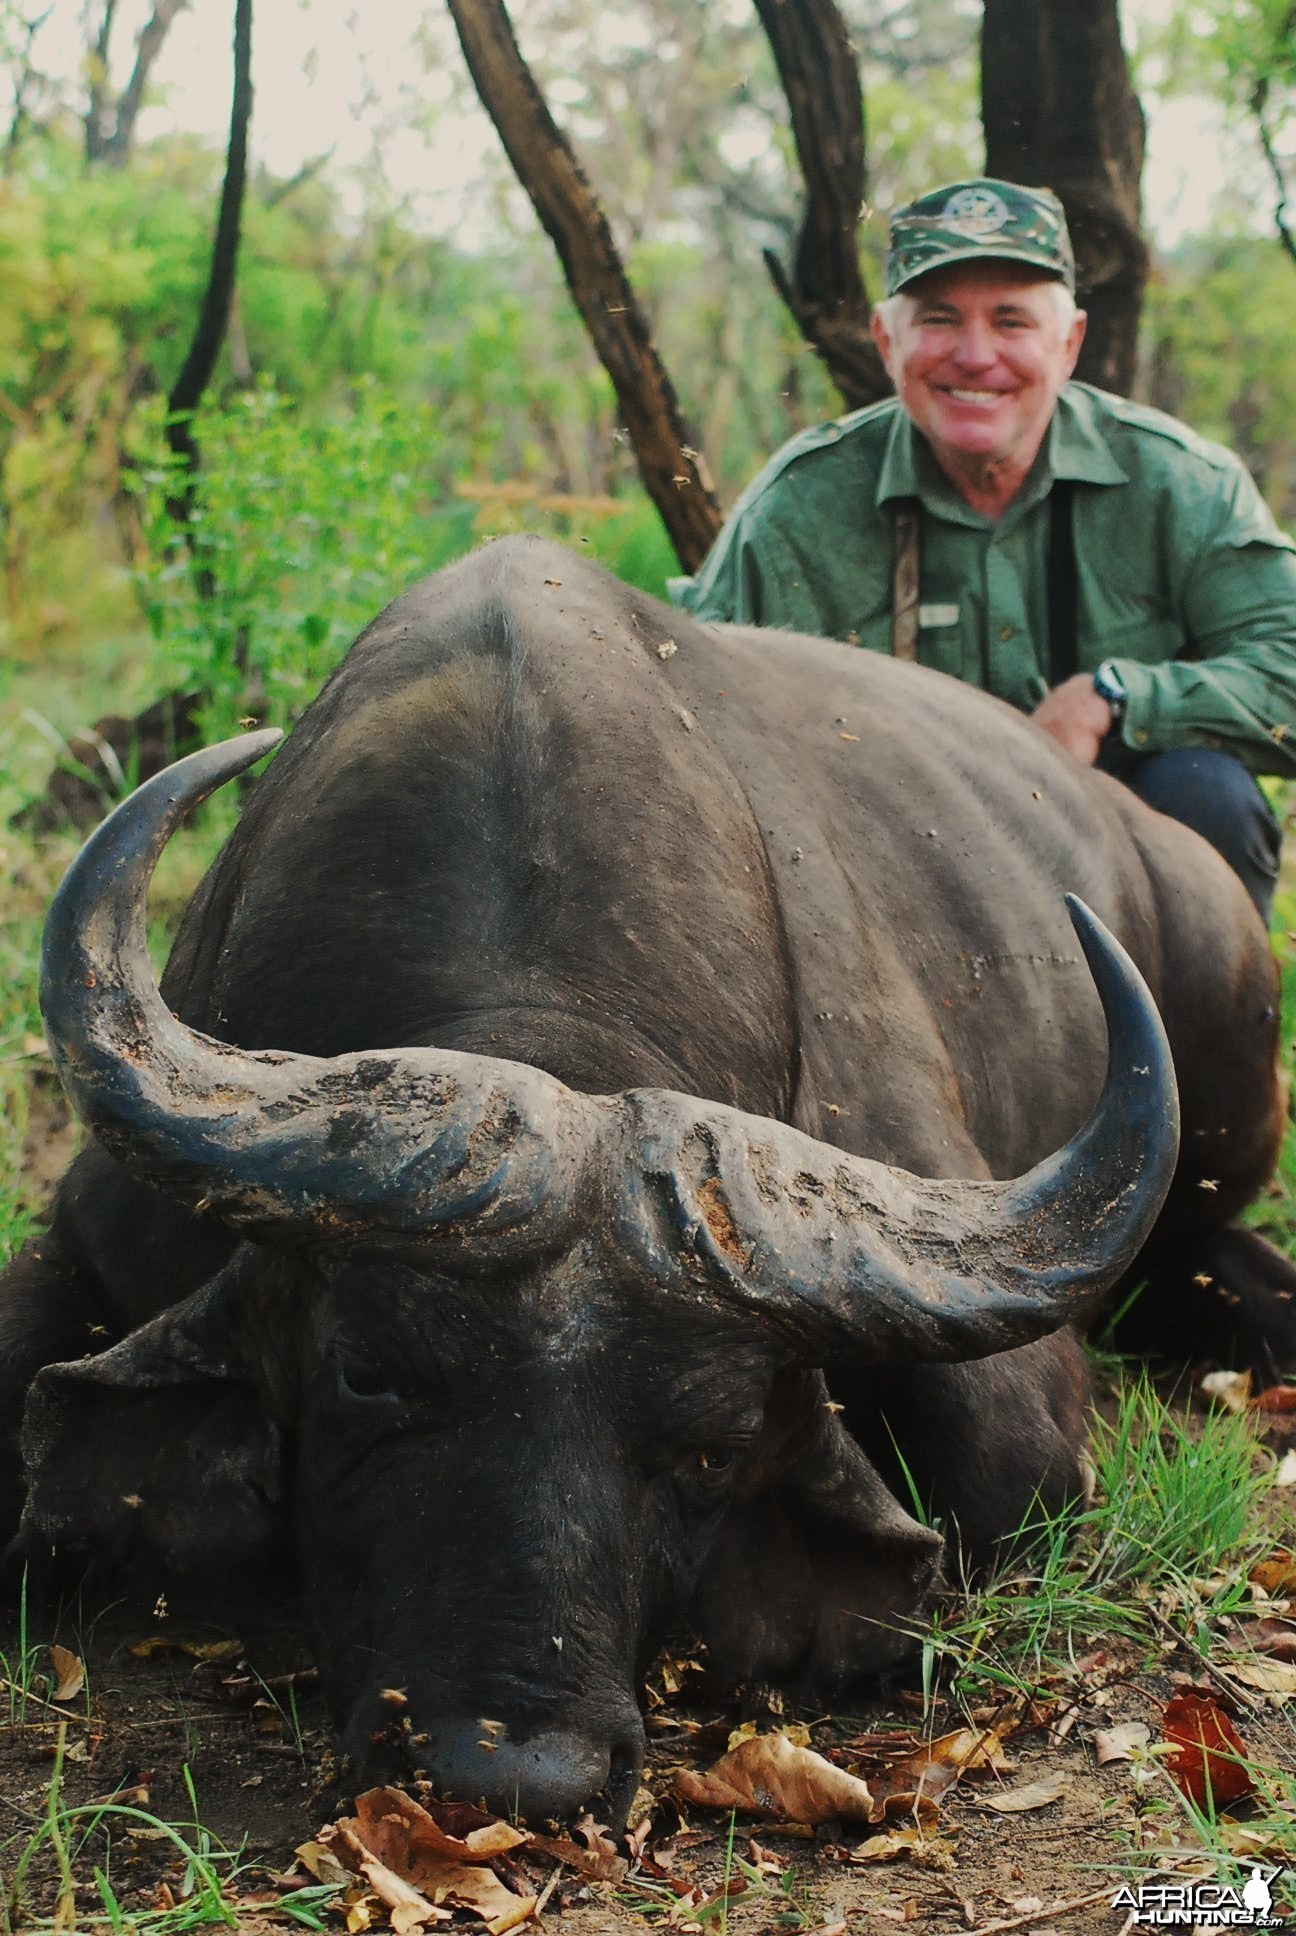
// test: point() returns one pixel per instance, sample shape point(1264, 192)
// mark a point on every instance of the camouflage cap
point(977, 221)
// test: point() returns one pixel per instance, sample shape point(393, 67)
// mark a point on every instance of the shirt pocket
point(941, 640)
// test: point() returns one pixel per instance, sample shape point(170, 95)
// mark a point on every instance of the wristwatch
point(1109, 685)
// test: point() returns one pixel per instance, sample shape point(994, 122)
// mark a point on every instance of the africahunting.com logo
point(1202, 1905)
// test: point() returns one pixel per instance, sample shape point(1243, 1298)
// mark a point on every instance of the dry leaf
point(1277, 1638)
point(443, 1863)
point(196, 1649)
point(1276, 1678)
point(1028, 1795)
point(321, 1862)
point(1231, 1389)
point(596, 1865)
point(770, 1775)
point(69, 1672)
point(1208, 1761)
point(915, 1782)
point(936, 1851)
point(407, 1908)
point(1277, 1574)
point(1276, 1398)
point(1285, 1470)
point(1120, 1743)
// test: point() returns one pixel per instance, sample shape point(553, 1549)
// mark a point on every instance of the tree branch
point(213, 317)
point(117, 147)
point(825, 292)
point(94, 136)
point(673, 471)
point(1058, 109)
point(1259, 108)
point(26, 74)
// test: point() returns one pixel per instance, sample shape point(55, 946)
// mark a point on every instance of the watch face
point(1109, 685)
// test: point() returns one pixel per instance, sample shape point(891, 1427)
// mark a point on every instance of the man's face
point(978, 353)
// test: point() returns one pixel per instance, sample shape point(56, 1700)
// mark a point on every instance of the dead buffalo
point(637, 1023)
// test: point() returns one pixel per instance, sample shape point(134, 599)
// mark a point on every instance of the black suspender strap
point(906, 576)
point(1062, 588)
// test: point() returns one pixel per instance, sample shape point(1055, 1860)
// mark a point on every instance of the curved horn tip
point(1088, 927)
point(201, 773)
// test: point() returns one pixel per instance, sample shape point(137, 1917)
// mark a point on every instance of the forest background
point(403, 371)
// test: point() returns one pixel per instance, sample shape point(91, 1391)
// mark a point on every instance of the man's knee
point(1212, 792)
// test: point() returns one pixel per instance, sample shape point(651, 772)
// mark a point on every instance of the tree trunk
point(1059, 112)
point(110, 130)
point(97, 63)
point(820, 77)
point(117, 146)
point(673, 471)
point(213, 317)
point(24, 75)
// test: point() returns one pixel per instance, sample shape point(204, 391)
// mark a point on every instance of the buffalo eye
point(361, 1384)
point(713, 1466)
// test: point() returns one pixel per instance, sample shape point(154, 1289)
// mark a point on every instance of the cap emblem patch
point(975, 212)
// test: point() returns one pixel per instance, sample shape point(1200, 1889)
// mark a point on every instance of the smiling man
point(1091, 561)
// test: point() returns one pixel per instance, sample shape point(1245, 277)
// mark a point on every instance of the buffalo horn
point(863, 1259)
point(283, 1144)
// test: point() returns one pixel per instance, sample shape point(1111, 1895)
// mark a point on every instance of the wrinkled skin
point(509, 827)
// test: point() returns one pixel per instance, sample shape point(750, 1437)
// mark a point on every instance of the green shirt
point(1184, 580)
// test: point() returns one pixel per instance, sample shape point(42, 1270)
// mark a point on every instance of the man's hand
point(1078, 717)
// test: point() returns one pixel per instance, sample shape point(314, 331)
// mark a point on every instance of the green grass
point(42, 1874)
point(1173, 1524)
point(22, 1684)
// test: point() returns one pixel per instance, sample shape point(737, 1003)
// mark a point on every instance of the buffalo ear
point(164, 1451)
point(817, 1572)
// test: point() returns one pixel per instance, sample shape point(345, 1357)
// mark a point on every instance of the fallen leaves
point(915, 1841)
point(420, 1862)
point(1277, 1574)
point(1122, 1743)
point(1027, 1795)
point(1207, 1760)
point(768, 1774)
point(1231, 1389)
point(416, 1866)
point(69, 1674)
point(780, 1777)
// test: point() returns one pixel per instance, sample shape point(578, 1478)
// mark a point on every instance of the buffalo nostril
point(623, 1779)
point(548, 1774)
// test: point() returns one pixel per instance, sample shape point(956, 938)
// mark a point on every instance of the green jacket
point(1184, 580)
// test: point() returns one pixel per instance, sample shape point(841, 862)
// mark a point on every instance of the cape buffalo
point(639, 1024)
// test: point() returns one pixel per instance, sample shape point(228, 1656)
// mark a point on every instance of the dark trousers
point(1213, 793)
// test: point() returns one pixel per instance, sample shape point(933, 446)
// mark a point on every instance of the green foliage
point(1231, 48)
point(1216, 335)
point(304, 529)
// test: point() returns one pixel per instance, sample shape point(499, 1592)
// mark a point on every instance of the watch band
point(1109, 685)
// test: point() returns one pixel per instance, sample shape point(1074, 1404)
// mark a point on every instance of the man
point(1091, 561)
